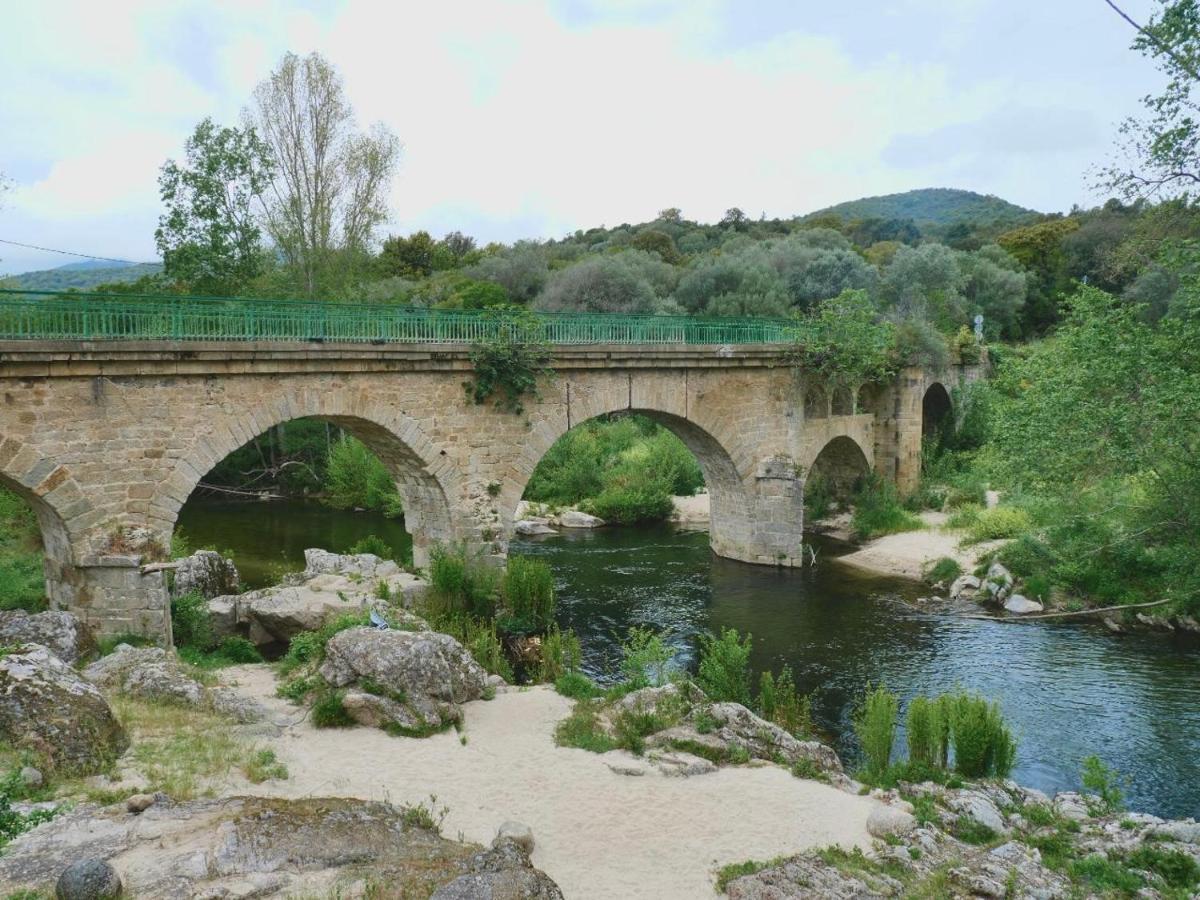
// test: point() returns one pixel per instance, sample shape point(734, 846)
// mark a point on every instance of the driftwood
point(1064, 615)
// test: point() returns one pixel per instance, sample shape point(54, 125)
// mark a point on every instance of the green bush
point(818, 497)
point(927, 731)
point(356, 479)
point(329, 712)
point(878, 510)
point(480, 638)
point(528, 595)
point(630, 504)
point(373, 544)
point(308, 647)
point(239, 650)
point(1104, 782)
point(983, 744)
point(645, 658)
point(1027, 555)
point(875, 727)
point(997, 523)
point(22, 585)
point(779, 702)
point(576, 685)
point(724, 670)
point(12, 822)
point(462, 583)
point(561, 655)
point(945, 569)
point(190, 622)
point(1179, 870)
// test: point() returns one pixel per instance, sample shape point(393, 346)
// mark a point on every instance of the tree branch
point(1156, 40)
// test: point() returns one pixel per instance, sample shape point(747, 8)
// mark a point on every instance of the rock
point(1156, 622)
point(223, 616)
point(31, 777)
point(362, 565)
point(1112, 625)
point(206, 573)
point(890, 821)
point(1188, 623)
point(678, 764)
point(139, 803)
point(979, 809)
point(60, 632)
point(1071, 805)
point(257, 846)
point(997, 572)
point(521, 834)
point(426, 672)
point(88, 879)
point(671, 701)
point(1021, 605)
point(531, 528)
point(148, 673)
point(499, 874)
point(237, 706)
point(573, 518)
point(47, 707)
point(1186, 831)
point(964, 587)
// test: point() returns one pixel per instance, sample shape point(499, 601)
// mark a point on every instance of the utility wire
point(71, 253)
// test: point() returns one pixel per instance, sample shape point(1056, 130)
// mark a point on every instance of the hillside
point(80, 276)
point(931, 207)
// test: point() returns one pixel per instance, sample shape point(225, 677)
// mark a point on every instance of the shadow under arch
point(841, 465)
point(424, 480)
point(937, 410)
point(729, 514)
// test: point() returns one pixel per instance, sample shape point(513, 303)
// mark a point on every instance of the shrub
point(576, 685)
point(12, 822)
point(373, 544)
point(997, 523)
point(508, 365)
point(356, 479)
point(875, 726)
point(1179, 870)
point(779, 702)
point(561, 655)
point(926, 736)
point(724, 670)
point(328, 711)
point(308, 647)
point(239, 650)
point(190, 623)
point(481, 640)
point(528, 595)
point(1104, 782)
point(264, 766)
point(645, 658)
point(582, 729)
point(1027, 556)
point(818, 497)
point(878, 510)
point(983, 744)
point(945, 569)
point(462, 583)
point(628, 505)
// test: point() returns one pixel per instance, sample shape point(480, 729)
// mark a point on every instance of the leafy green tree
point(733, 284)
point(615, 283)
point(845, 340)
point(996, 288)
point(1039, 248)
point(209, 235)
point(654, 241)
point(1163, 148)
point(521, 270)
point(415, 256)
point(926, 282)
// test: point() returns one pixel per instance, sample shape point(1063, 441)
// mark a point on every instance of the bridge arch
point(840, 464)
point(425, 479)
point(937, 410)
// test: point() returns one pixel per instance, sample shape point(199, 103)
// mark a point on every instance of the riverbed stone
point(206, 573)
point(1020, 605)
point(49, 708)
point(964, 587)
point(890, 821)
point(1071, 805)
point(61, 632)
point(532, 528)
point(148, 673)
point(574, 518)
point(979, 809)
point(88, 879)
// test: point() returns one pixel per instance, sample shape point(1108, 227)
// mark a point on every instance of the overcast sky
point(532, 119)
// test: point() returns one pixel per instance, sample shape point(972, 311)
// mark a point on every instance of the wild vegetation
point(21, 582)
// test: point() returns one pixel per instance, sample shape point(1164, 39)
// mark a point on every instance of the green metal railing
point(52, 316)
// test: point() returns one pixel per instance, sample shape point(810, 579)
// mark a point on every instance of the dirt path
point(598, 834)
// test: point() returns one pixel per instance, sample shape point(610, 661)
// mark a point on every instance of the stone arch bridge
point(107, 439)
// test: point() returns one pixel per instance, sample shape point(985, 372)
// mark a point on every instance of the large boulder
point(206, 573)
point(426, 673)
point(257, 847)
point(65, 636)
point(574, 518)
point(964, 587)
point(148, 673)
point(1020, 605)
point(47, 707)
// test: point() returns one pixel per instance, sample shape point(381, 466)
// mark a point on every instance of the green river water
point(1069, 690)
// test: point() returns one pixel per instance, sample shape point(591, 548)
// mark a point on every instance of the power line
point(70, 253)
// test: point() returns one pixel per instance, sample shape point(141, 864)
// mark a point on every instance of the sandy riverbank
point(599, 834)
point(909, 553)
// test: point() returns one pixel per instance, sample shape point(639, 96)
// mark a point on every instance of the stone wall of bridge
point(108, 440)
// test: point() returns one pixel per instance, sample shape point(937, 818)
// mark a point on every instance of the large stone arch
point(425, 477)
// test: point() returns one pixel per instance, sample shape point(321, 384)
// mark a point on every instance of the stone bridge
point(107, 439)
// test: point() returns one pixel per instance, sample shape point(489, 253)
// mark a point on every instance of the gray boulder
point(63, 634)
point(766, 740)
point(1020, 605)
point(425, 672)
point(88, 879)
point(206, 573)
point(886, 822)
point(148, 673)
point(515, 831)
point(979, 809)
point(964, 587)
point(532, 528)
point(47, 707)
point(574, 518)
point(501, 873)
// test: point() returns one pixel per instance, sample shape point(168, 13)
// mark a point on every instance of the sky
point(533, 118)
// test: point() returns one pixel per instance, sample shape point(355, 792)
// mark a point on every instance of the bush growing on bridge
point(509, 365)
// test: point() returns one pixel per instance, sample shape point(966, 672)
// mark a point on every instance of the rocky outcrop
point(1020, 605)
point(206, 573)
point(574, 518)
point(47, 707)
point(63, 634)
point(965, 587)
point(243, 847)
point(331, 584)
point(155, 675)
point(414, 680)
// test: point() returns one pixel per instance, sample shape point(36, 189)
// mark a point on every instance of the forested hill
point(80, 276)
point(932, 208)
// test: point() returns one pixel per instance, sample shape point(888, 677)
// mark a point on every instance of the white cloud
point(535, 117)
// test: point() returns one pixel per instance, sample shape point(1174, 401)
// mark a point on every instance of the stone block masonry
point(104, 437)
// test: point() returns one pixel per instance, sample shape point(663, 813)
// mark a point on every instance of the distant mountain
point(932, 208)
point(81, 276)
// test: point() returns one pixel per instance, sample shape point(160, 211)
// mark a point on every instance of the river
point(1068, 690)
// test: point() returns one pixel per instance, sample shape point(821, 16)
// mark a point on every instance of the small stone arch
point(842, 402)
point(937, 411)
point(816, 402)
point(840, 467)
point(424, 477)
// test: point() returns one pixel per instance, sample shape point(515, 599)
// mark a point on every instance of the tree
point(1163, 149)
point(1039, 248)
point(521, 270)
point(653, 241)
point(736, 219)
point(415, 256)
point(209, 236)
point(604, 284)
point(926, 282)
point(330, 186)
